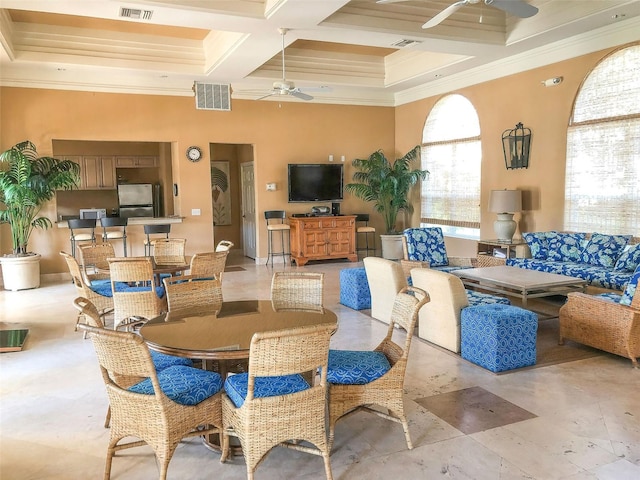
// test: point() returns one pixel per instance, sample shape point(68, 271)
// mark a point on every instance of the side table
point(487, 250)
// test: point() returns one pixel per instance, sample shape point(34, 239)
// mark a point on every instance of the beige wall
point(500, 105)
point(280, 133)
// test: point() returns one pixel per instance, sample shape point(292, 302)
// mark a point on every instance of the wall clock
point(194, 154)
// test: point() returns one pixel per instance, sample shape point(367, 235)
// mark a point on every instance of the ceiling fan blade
point(265, 96)
point(518, 8)
point(298, 94)
point(321, 88)
point(447, 12)
point(390, 1)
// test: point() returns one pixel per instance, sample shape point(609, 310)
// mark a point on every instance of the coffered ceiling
point(350, 48)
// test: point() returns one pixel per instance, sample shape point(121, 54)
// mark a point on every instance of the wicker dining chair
point(224, 246)
point(103, 302)
point(160, 410)
point(89, 313)
point(190, 293)
point(272, 403)
point(169, 251)
point(92, 255)
point(361, 379)
point(207, 264)
point(297, 290)
point(142, 300)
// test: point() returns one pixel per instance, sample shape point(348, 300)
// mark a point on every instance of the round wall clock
point(194, 154)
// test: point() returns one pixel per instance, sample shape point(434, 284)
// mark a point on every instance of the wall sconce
point(271, 187)
point(515, 145)
point(505, 203)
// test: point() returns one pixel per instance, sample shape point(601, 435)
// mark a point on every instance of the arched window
point(602, 190)
point(452, 153)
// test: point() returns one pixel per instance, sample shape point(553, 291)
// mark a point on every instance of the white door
point(248, 210)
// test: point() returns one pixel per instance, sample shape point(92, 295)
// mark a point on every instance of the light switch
point(195, 212)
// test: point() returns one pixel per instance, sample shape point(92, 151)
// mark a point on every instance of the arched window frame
point(603, 148)
point(451, 145)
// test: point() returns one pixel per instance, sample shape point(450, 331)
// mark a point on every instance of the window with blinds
point(451, 152)
point(602, 190)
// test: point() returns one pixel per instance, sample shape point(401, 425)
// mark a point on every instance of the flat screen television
point(315, 182)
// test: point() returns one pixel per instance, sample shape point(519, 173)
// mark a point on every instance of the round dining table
point(224, 335)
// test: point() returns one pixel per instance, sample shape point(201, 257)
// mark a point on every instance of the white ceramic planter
point(21, 273)
point(391, 246)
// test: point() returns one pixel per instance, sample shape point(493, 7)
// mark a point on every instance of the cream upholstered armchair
point(385, 279)
point(439, 320)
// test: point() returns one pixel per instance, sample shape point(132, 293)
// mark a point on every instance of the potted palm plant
point(27, 182)
point(387, 185)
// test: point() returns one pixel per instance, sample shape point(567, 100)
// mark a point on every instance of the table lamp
point(505, 203)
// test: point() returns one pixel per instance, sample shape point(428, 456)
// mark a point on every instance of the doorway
point(229, 197)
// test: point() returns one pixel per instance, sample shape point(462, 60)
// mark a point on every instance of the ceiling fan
point(518, 8)
point(287, 87)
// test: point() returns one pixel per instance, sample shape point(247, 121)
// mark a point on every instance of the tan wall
point(500, 105)
point(279, 133)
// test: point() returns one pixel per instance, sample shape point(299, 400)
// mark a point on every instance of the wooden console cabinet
point(323, 238)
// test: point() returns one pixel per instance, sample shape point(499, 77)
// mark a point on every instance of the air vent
point(404, 43)
point(212, 96)
point(135, 13)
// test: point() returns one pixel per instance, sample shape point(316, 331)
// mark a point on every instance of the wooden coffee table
point(520, 282)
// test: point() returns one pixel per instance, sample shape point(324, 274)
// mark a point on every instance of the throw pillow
point(604, 250)
point(632, 286)
point(564, 247)
point(629, 259)
point(537, 242)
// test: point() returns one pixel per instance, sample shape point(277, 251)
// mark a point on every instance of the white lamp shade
point(505, 201)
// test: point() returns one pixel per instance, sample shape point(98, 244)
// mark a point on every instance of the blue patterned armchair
point(424, 247)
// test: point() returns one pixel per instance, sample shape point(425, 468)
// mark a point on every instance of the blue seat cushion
point(349, 367)
point(565, 247)
point(182, 384)
point(236, 386)
point(632, 286)
point(426, 245)
point(162, 360)
point(478, 298)
point(629, 260)
point(105, 290)
point(604, 250)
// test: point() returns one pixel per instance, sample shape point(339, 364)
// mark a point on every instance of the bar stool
point(87, 234)
point(109, 235)
point(363, 218)
point(154, 230)
point(275, 223)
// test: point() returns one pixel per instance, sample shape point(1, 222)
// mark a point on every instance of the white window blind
point(452, 153)
point(602, 190)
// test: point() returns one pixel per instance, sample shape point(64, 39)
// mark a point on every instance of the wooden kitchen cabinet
point(143, 161)
point(323, 238)
point(97, 173)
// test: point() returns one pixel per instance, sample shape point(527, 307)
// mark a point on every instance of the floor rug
point(233, 268)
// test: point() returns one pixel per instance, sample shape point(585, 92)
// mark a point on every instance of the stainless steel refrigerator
point(136, 200)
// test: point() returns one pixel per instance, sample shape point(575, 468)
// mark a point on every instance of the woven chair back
point(169, 251)
point(192, 293)
point(208, 264)
point(92, 255)
point(297, 290)
point(137, 303)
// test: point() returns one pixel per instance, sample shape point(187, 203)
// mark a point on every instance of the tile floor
point(577, 420)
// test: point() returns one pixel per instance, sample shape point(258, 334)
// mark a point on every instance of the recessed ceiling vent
point(135, 14)
point(212, 96)
point(405, 43)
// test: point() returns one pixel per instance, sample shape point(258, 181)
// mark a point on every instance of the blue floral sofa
point(604, 261)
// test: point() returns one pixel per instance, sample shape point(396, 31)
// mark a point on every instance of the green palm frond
point(27, 182)
point(386, 185)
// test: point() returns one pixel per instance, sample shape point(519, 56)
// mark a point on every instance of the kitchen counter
point(138, 221)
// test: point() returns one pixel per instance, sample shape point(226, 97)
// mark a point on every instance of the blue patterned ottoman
point(354, 288)
point(498, 337)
